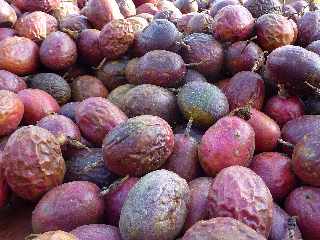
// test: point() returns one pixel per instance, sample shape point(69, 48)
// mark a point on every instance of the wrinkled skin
point(36, 5)
point(149, 8)
point(148, 99)
point(115, 198)
point(186, 6)
point(281, 229)
point(36, 26)
point(39, 155)
point(117, 95)
point(199, 189)
point(202, 102)
point(69, 110)
point(283, 109)
point(141, 145)
point(219, 228)
point(200, 23)
point(65, 9)
point(88, 165)
point(37, 105)
point(184, 158)
point(71, 205)
point(204, 49)
point(314, 47)
point(11, 112)
point(182, 22)
point(127, 8)
point(97, 116)
point(218, 5)
point(261, 7)
point(275, 170)
point(53, 235)
point(308, 26)
point(96, 232)
point(156, 207)
point(306, 160)
point(19, 55)
point(233, 23)
point(8, 16)
point(303, 202)
point(228, 142)
point(250, 200)
point(193, 75)
point(74, 24)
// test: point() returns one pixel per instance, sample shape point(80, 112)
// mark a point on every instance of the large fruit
point(33, 162)
point(138, 146)
point(19, 55)
point(219, 228)
point(96, 232)
point(202, 102)
point(261, 7)
point(306, 160)
point(70, 205)
point(11, 112)
point(232, 23)
point(303, 203)
point(156, 207)
point(250, 200)
point(275, 170)
point(228, 142)
point(96, 116)
point(295, 67)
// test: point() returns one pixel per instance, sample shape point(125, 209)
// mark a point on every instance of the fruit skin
point(19, 55)
point(201, 47)
point(53, 84)
point(138, 146)
point(314, 47)
point(65, 9)
point(197, 206)
point(88, 47)
point(230, 141)
point(37, 105)
point(242, 56)
point(11, 82)
point(294, 130)
point(200, 23)
point(74, 24)
point(281, 229)
point(36, 26)
point(250, 200)
point(7, 32)
point(52, 235)
point(182, 22)
point(275, 170)
point(267, 131)
point(156, 207)
point(127, 8)
point(216, 6)
point(283, 109)
point(261, 7)
point(274, 31)
point(149, 99)
point(112, 74)
point(11, 112)
point(184, 158)
point(303, 202)
point(232, 23)
point(306, 159)
point(115, 198)
point(308, 28)
point(96, 232)
point(97, 116)
point(88, 165)
point(69, 110)
point(8, 16)
point(193, 75)
point(86, 86)
point(149, 8)
point(158, 67)
point(58, 51)
point(117, 95)
point(36, 5)
point(115, 38)
point(245, 88)
point(39, 155)
point(101, 12)
point(71, 205)
point(202, 102)
point(194, 132)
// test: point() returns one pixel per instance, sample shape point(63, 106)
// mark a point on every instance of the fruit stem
point(100, 64)
point(315, 89)
point(282, 92)
point(242, 112)
point(285, 143)
point(292, 225)
point(106, 190)
point(196, 64)
point(188, 128)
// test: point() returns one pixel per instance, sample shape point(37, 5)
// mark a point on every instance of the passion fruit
point(261, 7)
point(96, 232)
point(69, 110)
point(8, 16)
point(11, 82)
point(127, 8)
point(7, 32)
point(36, 5)
point(117, 95)
point(54, 235)
point(308, 28)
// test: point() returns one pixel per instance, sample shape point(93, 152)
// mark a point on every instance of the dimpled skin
point(221, 228)
point(231, 141)
point(19, 55)
point(203, 47)
point(249, 201)
point(141, 145)
point(97, 232)
point(11, 82)
point(96, 116)
point(36, 165)
point(308, 26)
point(36, 26)
point(203, 102)
point(156, 207)
point(115, 38)
point(232, 23)
point(274, 31)
point(261, 7)
point(11, 112)
point(68, 206)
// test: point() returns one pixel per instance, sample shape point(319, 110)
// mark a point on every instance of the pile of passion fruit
point(161, 120)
